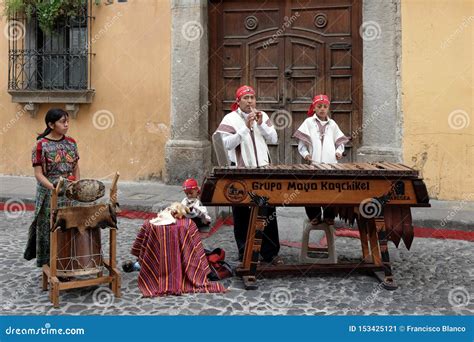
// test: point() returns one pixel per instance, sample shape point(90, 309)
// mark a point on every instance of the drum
point(79, 252)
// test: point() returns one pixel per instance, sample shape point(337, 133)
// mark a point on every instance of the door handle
point(288, 72)
point(281, 101)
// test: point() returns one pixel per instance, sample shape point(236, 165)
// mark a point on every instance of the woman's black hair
point(53, 115)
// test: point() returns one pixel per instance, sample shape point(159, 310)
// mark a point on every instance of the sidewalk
point(153, 196)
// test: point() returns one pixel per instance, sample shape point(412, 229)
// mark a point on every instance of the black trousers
point(315, 212)
point(270, 240)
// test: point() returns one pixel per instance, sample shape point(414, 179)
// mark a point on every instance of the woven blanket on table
point(172, 260)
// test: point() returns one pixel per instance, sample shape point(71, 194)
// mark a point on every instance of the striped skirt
point(172, 260)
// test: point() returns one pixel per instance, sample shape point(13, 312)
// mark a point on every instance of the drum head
point(85, 190)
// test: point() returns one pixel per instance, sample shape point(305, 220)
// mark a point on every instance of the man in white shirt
point(246, 133)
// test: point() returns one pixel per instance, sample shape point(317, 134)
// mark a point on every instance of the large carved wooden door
point(288, 51)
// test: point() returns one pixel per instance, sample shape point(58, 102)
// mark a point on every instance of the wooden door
point(288, 51)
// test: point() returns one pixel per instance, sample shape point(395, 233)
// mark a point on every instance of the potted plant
point(48, 12)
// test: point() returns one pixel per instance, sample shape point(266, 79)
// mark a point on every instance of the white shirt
point(196, 209)
point(320, 139)
point(236, 135)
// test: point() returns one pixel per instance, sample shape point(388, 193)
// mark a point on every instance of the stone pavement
point(435, 277)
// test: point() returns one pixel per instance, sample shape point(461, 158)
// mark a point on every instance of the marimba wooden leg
point(252, 249)
point(362, 225)
point(374, 242)
point(387, 280)
point(247, 259)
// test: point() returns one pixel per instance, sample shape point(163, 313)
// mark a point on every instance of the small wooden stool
point(77, 254)
point(331, 249)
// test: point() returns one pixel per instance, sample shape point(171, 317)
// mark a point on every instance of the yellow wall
point(437, 88)
point(131, 76)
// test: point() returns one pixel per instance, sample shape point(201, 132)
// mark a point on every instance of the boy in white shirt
point(320, 141)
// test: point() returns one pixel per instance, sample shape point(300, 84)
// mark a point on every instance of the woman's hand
point(308, 159)
point(40, 177)
point(338, 155)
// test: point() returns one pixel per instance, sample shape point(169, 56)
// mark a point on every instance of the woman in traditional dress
point(54, 155)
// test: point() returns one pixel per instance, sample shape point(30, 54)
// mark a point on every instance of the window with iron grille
point(56, 61)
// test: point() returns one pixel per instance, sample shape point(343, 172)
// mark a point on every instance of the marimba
point(376, 195)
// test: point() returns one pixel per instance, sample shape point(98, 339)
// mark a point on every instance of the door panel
point(288, 51)
point(265, 68)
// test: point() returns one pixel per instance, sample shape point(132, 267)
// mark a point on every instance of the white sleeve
point(201, 211)
point(302, 149)
point(339, 134)
point(231, 141)
point(267, 130)
point(269, 133)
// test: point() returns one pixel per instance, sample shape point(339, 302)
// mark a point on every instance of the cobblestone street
point(434, 278)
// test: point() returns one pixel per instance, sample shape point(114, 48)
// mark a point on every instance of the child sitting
point(197, 212)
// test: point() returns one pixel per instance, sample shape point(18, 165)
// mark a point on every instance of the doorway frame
point(382, 115)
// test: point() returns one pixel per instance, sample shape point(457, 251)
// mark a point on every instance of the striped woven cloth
point(172, 260)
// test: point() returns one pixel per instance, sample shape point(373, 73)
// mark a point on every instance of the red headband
point(318, 99)
point(244, 90)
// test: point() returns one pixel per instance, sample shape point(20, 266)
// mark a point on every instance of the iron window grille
point(51, 61)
